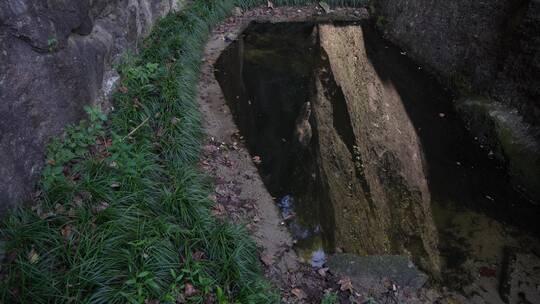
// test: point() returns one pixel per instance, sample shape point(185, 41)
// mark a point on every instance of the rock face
point(502, 130)
point(370, 155)
point(55, 58)
point(520, 279)
point(483, 48)
point(491, 46)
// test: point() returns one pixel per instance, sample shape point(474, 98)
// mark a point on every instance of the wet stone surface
point(387, 274)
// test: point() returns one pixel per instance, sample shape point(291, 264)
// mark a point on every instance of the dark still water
point(365, 154)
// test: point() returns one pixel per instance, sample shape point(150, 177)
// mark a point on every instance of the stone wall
point(488, 51)
point(490, 48)
point(55, 58)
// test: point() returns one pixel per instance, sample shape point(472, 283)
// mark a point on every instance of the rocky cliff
point(55, 58)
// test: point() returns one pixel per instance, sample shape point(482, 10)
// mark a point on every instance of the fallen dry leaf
point(289, 217)
point(257, 160)
point(237, 12)
point(299, 293)
point(198, 255)
point(66, 231)
point(137, 103)
point(322, 271)
point(78, 201)
point(189, 290)
point(59, 209)
point(46, 215)
point(175, 120)
point(267, 259)
point(33, 256)
point(113, 165)
point(218, 209)
point(102, 206)
point(345, 284)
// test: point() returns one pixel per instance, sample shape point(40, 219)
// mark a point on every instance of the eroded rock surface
point(482, 48)
point(466, 42)
point(521, 278)
point(370, 155)
point(508, 138)
point(53, 58)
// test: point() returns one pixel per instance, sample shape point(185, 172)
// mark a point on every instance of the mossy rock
point(501, 130)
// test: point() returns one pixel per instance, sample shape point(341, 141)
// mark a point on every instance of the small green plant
point(330, 298)
point(372, 7)
point(75, 145)
point(371, 301)
point(143, 283)
point(221, 297)
point(381, 22)
point(52, 44)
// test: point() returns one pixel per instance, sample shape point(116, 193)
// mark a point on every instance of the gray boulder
point(55, 57)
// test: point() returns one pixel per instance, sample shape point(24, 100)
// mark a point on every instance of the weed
point(330, 298)
point(381, 22)
point(52, 44)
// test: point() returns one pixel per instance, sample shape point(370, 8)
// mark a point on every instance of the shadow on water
point(266, 77)
point(459, 169)
point(476, 208)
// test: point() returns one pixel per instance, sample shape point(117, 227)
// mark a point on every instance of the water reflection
point(270, 76)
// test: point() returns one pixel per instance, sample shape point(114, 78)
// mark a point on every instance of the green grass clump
point(124, 214)
point(330, 298)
